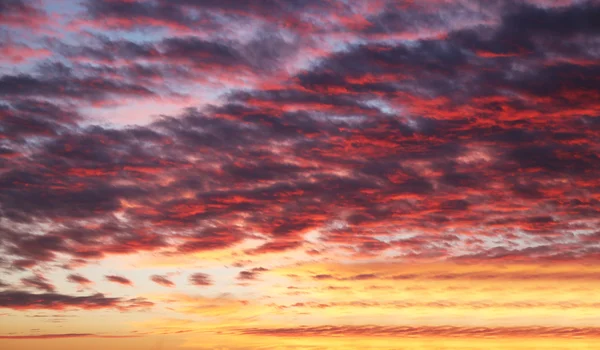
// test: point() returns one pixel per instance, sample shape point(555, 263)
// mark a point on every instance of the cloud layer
point(208, 146)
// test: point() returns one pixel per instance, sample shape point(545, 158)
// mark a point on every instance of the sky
point(289, 174)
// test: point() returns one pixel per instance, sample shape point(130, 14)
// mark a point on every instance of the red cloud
point(119, 279)
point(162, 280)
point(22, 13)
point(200, 279)
point(275, 247)
point(75, 278)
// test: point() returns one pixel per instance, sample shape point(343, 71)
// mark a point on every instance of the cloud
point(66, 85)
point(427, 332)
point(223, 306)
point(30, 117)
point(182, 16)
point(162, 280)
point(19, 300)
point(119, 279)
point(65, 335)
point(200, 279)
point(481, 139)
point(18, 53)
point(132, 14)
point(75, 278)
point(251, 274)
point(38, 282)
point(276, 246)
point(21, 13)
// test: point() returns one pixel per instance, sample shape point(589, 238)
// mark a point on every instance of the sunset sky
point(299, 174)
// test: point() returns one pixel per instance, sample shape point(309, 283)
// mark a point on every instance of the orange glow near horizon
point(361, 305)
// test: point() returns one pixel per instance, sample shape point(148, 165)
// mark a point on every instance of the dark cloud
point(183, 14)
point(136, 13)
point(408, 20)
point(267, 8)
point(61, 83)
point(201, 52)
point(21, 13)
point(162, 280)
point(488, 130)
point(38, 282)
point(19, 300)
point(251, 275)
point(26, 118)
point(564, 21)
point(75, 278)
point(119, 279)
point(323, 277)
point(200, 279)
point(275, 247)
point(106, 50)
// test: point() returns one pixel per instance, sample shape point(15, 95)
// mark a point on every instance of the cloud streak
point(19, 300)
point(119, 280)
point(427, 332)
